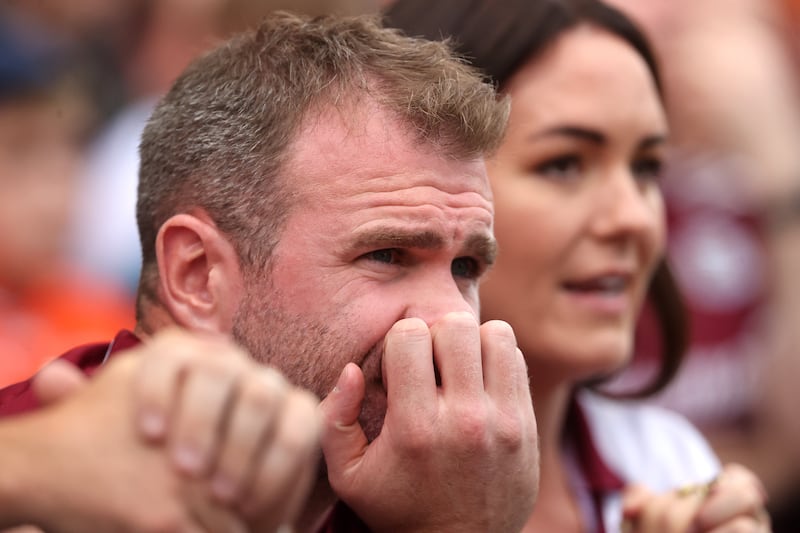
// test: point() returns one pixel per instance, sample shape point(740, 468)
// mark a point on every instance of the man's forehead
point(380, 172)
point(360, 126)
point(351, 114)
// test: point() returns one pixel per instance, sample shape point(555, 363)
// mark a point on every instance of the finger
point(408, 373)
point(199, 418)
point(281, 478)
point(736, 492)
point(297, 499)
point(741, 524)
point(207, 517)
point(343, 440)
point(457, 352)
point(504, 375)
point(56, 381)
point(259, 398)
point(164, 361)
point(524, 384)
point(668, 513)
point(156, 386)
point(634, 499)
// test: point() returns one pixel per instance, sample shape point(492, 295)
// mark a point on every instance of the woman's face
point(579, 214)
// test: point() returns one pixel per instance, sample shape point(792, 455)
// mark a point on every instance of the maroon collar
point(599, 477)
point(124, 340)
point(19, 398)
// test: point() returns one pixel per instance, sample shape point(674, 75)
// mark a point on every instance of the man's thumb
point(56, 381)
point(343, 440)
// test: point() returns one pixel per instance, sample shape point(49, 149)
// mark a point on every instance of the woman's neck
point(556, 508)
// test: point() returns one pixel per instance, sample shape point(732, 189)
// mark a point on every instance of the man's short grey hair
point(219, 139)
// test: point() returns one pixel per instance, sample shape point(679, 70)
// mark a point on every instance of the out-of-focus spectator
point(100, 35)
point(734, 198)
point(172, 33)
point(44, 117)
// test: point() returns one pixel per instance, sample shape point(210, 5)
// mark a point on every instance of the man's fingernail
point(188, 459)
point(342, 377)
point(152, 424)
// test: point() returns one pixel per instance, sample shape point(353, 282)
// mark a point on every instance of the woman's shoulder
point(647, 444)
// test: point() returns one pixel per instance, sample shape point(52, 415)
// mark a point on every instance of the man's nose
point(436, 296)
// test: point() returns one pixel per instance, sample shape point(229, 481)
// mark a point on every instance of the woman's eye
point(387, 255)
point(563, 167)
point(465, 267)
point(648, 168)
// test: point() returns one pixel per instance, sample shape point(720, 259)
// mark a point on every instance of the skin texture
point(377, 272)
point(372, 293)
point(95, 416)
point(229, 420)
point(384, 233)
point(412, 477)
point(376, 275)
point(577, 200)
point(734, 501)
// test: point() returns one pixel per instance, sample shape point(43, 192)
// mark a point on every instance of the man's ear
point(201, 282)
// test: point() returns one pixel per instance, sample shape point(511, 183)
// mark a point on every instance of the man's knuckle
point(472, 424)
point(258, 397)
point(417, 437)
point(297, 440)
point(510, 434)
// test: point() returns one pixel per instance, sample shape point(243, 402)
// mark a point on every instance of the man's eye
point(465, 267)
point(647, 168)
point(387, 255)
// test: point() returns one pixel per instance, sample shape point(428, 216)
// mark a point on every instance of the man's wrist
point(17, 487)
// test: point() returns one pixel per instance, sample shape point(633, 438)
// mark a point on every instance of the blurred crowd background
point(79, 78)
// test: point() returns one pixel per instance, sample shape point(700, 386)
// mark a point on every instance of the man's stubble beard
point(309, 354)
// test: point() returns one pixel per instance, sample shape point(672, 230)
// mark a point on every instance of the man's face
point(384, 229)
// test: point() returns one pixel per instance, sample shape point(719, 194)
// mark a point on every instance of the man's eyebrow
point(384, 237)
point(482, 246)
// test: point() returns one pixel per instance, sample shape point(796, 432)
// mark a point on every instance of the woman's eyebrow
point(579, 132)
point(651, 141)
point(593, 136)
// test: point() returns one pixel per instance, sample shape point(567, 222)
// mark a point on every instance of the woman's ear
point(200, 277)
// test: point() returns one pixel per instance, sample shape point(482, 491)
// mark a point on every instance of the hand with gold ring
point(733, 501)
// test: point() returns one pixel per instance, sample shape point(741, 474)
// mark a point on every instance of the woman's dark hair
point(498, 37)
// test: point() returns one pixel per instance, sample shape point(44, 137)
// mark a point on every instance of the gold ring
point(695, 489)
point(762, 516)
